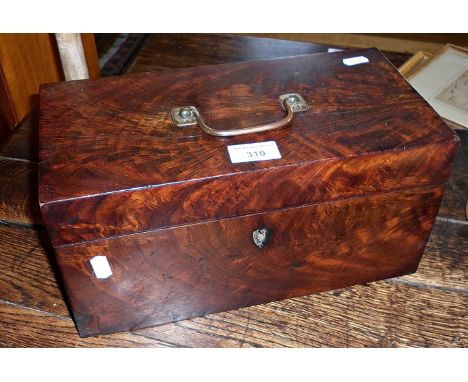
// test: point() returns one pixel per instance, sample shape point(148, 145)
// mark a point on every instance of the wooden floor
point(428, 308)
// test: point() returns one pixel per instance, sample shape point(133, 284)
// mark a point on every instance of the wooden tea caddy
point(156, 214)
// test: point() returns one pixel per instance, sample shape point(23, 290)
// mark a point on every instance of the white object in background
point(101, 267)
point(443, 82)
point(72, 56)
point(355, 60)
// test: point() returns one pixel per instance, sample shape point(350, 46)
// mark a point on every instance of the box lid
point(113, 162)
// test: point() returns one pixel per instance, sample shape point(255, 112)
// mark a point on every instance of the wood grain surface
point(27, 251)
point(340, 319)
point(23, 144)
point(181, 50)
point(168, 205)
point(445, 263)
point(423, 309)
point(344, 206)
point(18, 191)
point(48, 330)
point(188, 271)
point(132, 181)
point(138, 107)
point(402, 316)
point(29, 274)
point(427, 308)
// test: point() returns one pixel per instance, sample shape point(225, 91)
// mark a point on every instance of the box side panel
point(251, 192)
point(193, 270)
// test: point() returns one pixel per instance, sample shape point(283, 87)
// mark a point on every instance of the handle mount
point(189, 115)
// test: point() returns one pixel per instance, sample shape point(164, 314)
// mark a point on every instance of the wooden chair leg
point(72, 56)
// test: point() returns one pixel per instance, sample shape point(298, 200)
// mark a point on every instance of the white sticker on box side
point(355, 60)
point(253, 152)
point(101, 267)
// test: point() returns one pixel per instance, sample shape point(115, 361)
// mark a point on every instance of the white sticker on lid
point(101, 267)
point(253, 152)
point(355, 60)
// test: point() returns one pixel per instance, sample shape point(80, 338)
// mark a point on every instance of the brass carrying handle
point(189, 115)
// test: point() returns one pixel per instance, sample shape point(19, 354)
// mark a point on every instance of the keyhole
point(261, 236)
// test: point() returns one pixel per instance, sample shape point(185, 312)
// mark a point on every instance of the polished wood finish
point(140, 210)
point(189, 271)
point(138, 108)
point(423, 309)
point(426, 308)
point(183, 50)
point(319, 161)
point(352, 183)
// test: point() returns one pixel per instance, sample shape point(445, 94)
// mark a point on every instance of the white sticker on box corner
point(254, 152)
point(355, 60)
point(101, 267)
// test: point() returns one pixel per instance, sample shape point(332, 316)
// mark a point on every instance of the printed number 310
point(255, 154)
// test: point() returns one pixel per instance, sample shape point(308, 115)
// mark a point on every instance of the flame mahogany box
point(352, 199)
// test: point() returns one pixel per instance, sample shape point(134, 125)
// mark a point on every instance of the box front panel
point(133, 211)
point(187, 271)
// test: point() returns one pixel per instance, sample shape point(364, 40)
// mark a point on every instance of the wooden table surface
point(428, 308)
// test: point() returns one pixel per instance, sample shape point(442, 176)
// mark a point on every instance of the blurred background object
point(442, 79)
point(28, 60)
